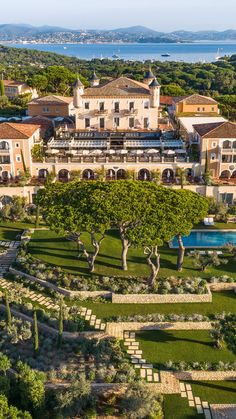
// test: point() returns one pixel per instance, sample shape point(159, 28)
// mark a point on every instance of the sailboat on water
point(218, 56)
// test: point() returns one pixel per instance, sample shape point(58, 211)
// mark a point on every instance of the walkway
point(9, 256)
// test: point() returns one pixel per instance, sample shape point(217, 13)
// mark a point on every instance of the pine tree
point(8, 310)
point(60, 328)
point(36, 334)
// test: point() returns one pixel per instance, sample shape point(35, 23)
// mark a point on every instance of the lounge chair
point(211, 221)
point(206, 221)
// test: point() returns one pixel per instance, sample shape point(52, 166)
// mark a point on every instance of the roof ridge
point(213, 129)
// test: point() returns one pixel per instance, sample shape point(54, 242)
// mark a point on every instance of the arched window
point(144, 174)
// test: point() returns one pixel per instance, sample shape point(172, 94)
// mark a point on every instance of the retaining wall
point(162, 298)
point(67, 293)
point(223, 286)
point(117, 329)
point(206, 375)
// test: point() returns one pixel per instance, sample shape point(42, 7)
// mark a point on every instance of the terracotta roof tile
point(14, 131)
point(121, 87)
point(216, 130)
point(52, 100)
point(195, 99)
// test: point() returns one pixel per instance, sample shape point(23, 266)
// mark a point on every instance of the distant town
point(135, 34)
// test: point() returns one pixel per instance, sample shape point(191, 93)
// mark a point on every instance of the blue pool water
point(207, 238)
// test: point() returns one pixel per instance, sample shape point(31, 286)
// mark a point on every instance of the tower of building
point(78, 90)
point(155, 90)
point(95, 81)
point(148, 77)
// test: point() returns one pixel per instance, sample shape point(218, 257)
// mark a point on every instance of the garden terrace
point(182, 347)
point(54, 249)
point(101, 360)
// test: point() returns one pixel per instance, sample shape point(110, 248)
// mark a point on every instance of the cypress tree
point(36, 334)
point(8, 310)
point(37, 217)
point(2, 90)
point(60, 326)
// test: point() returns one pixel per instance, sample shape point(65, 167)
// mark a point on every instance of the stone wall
point(117, 329)
point(223, 286)
point(60, 290)
point(206, 375)
point(161, 298)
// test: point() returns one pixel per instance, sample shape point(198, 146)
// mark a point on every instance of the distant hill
point(14, 32)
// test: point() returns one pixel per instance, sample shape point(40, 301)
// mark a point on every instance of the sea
point(187, 52)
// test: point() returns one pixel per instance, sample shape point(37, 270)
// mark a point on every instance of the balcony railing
point(116, 159)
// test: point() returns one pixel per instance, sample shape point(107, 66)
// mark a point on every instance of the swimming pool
point(207, 239)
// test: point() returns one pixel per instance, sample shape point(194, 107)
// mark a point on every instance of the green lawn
point(215, 391)
point(159, 346)
point(56, 250)
point(217, 226)
point(221, 301)
point(9, 231)
point(176, 407)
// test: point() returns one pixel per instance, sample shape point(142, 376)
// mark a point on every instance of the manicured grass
point(56, 250)
point(215, 392)
point(9, 231)
point(159, 346)
point(218, 392)
point(176, 407)
point(217, 226)
point(221, 301)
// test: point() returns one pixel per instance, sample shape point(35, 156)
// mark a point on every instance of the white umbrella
point(53, 151)
point(96, 152)
point(110, 151)
point(85, 152)
point(152, 151)
point(122, 151)
point(169, 152)
point(71, 152)
point(180, 151)
point(138, 152)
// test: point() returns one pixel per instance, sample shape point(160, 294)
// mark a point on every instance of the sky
point(161, 15)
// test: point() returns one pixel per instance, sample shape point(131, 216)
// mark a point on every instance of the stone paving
point(201, 406)
point(146, 370)
point(50, 304)
point(8, 257)
point(223, 411)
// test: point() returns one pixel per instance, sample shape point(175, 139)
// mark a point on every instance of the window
point(17, 145)
point(102, 123)
point(116, 122)
point(146, 104)
point(214, 144)
point(226, 158)
point(131, 122)
point(198, 109)
point(117, 107)
point(146, 123)
point(18, 158)
point(101, 106)
point(87, 122)
point(131, 106)
point(213, 156)
point(46, 110)
point(213, 109)
point(57, 110)
point(203, 109)
point(86, 105)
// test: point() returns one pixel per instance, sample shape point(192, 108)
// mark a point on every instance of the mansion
point(121, 104)
point(123, 128)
